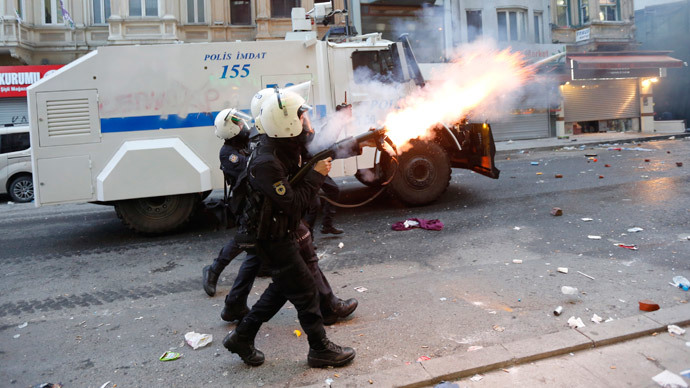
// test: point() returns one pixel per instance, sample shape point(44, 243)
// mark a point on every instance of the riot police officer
point(275, 208)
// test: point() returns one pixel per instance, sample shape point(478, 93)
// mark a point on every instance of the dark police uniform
point(282, 207)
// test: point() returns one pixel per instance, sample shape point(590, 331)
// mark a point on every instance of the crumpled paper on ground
point(196, 340)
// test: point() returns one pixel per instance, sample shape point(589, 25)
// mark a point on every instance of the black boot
point(330, 229)
point(234, 313)
point(326, 353)
point(210, 280)
point(243, 347)
point(339, 309)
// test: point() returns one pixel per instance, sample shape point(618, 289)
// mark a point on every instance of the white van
point(15, 164)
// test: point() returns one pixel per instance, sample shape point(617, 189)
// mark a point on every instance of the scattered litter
point(136, 319)
point(557, 211)
point(590, 155)
point(575, 323)
point(676, 330)
point(442, 299)
point(558, 310)
point(562, 269)
point(23, 325)
point(48, 385)
point(629, 149)
point(679, 164)
point(105, 384)
point(587, 219)
point(632, 247)
point(681, 282)
point(16, 336)
point(445, 384)
point(609, 320)
point(197, 340)
point(601, 177)
point(669, 379)
point(559, 175)
point(592, 237)
point(607, 165)
point(297, 333)
point(412, 223)
point(540, 173)
point(329, 381)
point(585, 275)
point(635, 230)
point(685, 373)
point(648, 305)
point(341, 245)
point(499, 328)
point(644, 176)
point(360, 289)
point(647, 160)
point(517, 228)
point(535, 163)
point(476, 378)
point(517, 261)
point(672, 138)
point(423, 358)
point(567, 290)
point(596, 319)
point(474, 347)
point(170, 356)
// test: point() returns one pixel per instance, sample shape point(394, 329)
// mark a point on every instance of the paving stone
point(677, 315)
point(548, 345)
point(457, 366)
point(620, 330)
point(412, 375)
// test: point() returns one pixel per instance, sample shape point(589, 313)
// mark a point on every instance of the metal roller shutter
point(523, 126)
point(601, 100)
point(14, 111)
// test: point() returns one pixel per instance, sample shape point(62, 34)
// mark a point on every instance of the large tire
point(22, 189)
point(423, 174)
point(156, 215)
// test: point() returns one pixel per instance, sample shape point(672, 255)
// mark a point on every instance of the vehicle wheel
point(22, 189)
point(423, 174)
point(156, 215)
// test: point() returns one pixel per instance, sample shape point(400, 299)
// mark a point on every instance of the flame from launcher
point(479, 82)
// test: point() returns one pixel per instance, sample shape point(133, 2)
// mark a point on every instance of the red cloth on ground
point(420, 223)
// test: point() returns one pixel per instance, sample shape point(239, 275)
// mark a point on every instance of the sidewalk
point(584, 139)
point(618, 353)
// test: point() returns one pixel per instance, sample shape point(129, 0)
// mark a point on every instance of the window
point(562, 13)
point(101, 11)
point(381, 66)
point(283, 8)
point(13, 142)
point(538, 27)
point(474, 25)
point(240, 12)
point(143, 7)
point(608, 10)
point(512, 26)
point(195, 11)
point(584, 11)
point(52, 13)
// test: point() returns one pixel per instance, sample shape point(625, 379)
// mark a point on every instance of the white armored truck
point(132, 126)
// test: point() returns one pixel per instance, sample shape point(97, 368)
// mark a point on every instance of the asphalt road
point(84, 301)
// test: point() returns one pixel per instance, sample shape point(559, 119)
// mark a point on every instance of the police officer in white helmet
point(271, 218)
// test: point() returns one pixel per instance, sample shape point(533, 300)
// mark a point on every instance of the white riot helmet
point(258, 99)
point(281, 114)
point(229, 123)
point(257, 124)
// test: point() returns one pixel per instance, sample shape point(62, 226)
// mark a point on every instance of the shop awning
point(625, 61)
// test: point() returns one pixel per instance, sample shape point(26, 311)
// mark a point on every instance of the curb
point(590, 142)
point(460, 365)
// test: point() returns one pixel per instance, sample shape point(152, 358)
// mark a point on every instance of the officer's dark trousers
point(331, 190)
point(243, 282)
point(292, 281)
point(227, 253)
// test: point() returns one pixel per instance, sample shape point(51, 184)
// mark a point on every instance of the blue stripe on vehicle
point(151, 123)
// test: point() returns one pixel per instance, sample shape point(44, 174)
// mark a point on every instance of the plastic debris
point(669, 379)
point(341, 245)
point(587, 219)
point(498, 328)
point(517, 261)
point(567, 290)
point(360, 289)
point(48, 385)
point(635, 230)
point(607, 165)
point(592, 237)
point(681, 282)
point(597, 319)
point(445, 384)
point(170, 356)
point(105, 384)
point(601, 177)
point(575, 323)
point(297, 333)
point(540, 173)
point(632, 247)
point(410, 223)
point(476, 378)
point(557, 211)
point(685, 373)
point(648, 305)
point(329, 381)
point(558, 310)
point(559, 175)
point(423, 358)
point(197, 340)
point(517, 228)
point(23, 325)
point(16, 336)
point(534, 163)
point(562, 269)
point(647, 160)
point(679, 164)
point(585, 275)
point(675, 330)
point(474, 347)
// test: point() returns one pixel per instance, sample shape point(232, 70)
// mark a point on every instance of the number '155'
point(235, 71)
